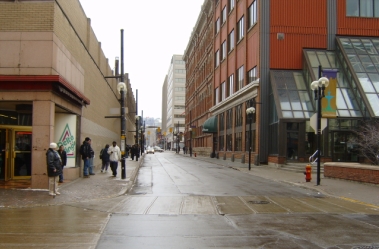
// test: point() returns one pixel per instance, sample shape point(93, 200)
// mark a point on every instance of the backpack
point(101, 153)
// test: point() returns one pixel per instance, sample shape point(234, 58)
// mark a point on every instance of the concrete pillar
point(43, 135)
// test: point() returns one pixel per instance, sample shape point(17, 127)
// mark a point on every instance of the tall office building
point(175, 112)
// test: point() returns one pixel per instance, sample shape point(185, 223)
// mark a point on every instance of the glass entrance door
point(4, 146)
point(15, 152)
point(22, 156)
point(343, 150)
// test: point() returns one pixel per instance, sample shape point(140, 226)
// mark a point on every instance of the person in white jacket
point(114, 157)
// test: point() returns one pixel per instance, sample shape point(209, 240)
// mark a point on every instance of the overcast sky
point(154, 30)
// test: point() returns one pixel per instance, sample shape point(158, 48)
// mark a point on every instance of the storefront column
point(43, 135)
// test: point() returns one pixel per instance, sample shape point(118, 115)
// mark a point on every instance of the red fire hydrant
point(308, 173)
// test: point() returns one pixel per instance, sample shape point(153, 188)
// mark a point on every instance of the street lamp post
point(190, 147)
point(250, 111)
point(318, 88)
point(121, 87)
point(141, 144)
point(136, 142)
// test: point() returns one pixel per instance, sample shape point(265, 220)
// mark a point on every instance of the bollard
point(195, 154)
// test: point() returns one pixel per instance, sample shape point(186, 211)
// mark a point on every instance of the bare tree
point(367, 141)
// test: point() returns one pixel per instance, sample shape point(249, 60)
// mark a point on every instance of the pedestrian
point(62, 153)
point(114, 156)
point(105, 159)
point(127, 149)
point(54, 168)
point(132, 151)
point(137, 150)
point(85, 152)
point(91, 170)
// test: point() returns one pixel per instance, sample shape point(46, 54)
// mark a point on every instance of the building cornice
point(244, 94)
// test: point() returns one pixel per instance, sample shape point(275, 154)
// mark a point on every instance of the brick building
point(265, 54)
point(199, 60)
point(53, 88)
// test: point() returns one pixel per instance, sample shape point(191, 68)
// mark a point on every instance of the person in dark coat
point(105, 159)
point(85, 152)
point(62, 153)
point(132, 151)
point(54, 168)
point(127, 149)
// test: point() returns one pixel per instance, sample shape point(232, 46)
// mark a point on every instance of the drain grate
point(258, 202)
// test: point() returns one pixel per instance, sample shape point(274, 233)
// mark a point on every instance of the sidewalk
point(98, 186)
point(348, 190)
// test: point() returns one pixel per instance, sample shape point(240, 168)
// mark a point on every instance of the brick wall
point(352, 171)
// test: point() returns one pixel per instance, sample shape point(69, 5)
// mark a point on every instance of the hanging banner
point(329, 102)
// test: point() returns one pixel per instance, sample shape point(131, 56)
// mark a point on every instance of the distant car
point(158, 149)
point(150, 150)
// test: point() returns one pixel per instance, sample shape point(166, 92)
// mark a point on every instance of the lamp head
point(315, 85)
point(190, 129)
point(121, 86)
point(250, 110)
point(323, 82)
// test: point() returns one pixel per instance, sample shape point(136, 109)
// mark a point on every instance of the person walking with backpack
point(104, 156)
point(114, 157)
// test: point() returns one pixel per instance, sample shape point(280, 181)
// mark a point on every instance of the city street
point(179, 202)
point(182, 202)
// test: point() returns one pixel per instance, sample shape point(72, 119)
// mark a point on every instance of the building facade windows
point(217, 58)
point(240, 29)
point(231, 41)
point(252, 14)
point(217, 95)
point(217, 26)
point(223, 15)
point(179, 89)
point(251, 75)
point(240, 78)
point(223, 50)
point(223, 91)
point(231, 5)
point(362, 8)
point(230, 85)
point(238, 141)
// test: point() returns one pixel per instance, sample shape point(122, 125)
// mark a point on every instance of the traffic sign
point(313, 123)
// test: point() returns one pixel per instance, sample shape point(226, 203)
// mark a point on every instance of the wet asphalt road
point(179, 202)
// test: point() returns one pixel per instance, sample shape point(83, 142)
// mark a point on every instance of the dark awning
point(210, 125)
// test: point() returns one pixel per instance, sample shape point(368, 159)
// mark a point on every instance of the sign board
point(313, 123)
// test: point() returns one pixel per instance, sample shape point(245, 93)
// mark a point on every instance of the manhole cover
point(258, 202)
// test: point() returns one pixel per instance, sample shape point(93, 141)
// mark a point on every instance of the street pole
point(177, 139)
point(250, 111)
point(137, 124)
point(319, 87)
point(319, 129)
point(250, 119)
point(123, 118)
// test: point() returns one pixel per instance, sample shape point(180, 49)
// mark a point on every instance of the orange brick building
point(265, 55)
